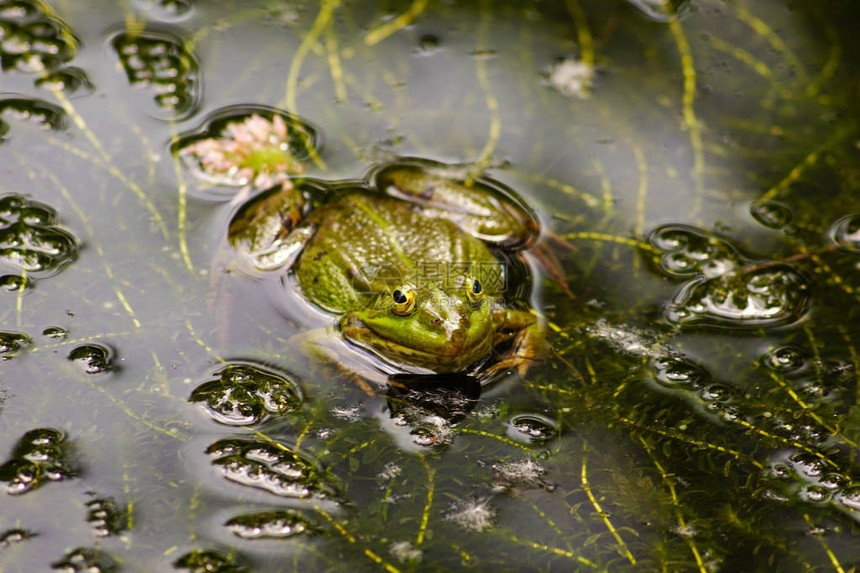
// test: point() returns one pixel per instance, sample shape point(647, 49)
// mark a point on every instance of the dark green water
point(696, 170)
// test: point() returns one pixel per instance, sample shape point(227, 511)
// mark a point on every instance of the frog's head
point(439, 329)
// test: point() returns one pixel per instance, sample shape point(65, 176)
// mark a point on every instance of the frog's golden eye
point(403, 301)
point(474, 293)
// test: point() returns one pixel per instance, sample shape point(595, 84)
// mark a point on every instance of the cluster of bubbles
point(268, 466)
point(40, 456)
point(86, 560)
point(244, 394)
point(160, 61)
point(724, 289)
point(105, 517)
point(818, 382)
point(32, 244)
point(811, 478)
point(32, 41)
point(678, 373)
point(206, 560)
point(43, 114)
point(168, 9)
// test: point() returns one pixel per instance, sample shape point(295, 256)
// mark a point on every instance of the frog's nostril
point(436, 321)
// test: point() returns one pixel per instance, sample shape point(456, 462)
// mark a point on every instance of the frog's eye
point(474, 293)
point(403, 301)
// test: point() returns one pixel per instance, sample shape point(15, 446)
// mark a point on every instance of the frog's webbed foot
point(528, 348)
point(551, 264)
point(479, 205)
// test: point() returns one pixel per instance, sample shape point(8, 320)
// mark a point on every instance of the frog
point(415, 261)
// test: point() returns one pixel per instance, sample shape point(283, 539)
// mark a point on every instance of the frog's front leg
point(529, 343)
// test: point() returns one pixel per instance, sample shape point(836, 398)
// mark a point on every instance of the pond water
point(694, 165)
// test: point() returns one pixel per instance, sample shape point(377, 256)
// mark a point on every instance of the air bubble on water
point(93, 358)
point(772, 295)
point(533, 429)
point(679, 373)
point(770, 214)
point(785, 359)
point(846, 232)
point(661, 10)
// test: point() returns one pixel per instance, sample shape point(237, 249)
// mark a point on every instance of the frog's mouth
point(397, 354)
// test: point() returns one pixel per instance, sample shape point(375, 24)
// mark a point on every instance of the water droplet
point(94, 358)
point(771, 214)
point(532, 429)
point(846, 232)
point(784, 359)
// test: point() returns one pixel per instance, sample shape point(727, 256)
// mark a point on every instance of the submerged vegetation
point(694, 165)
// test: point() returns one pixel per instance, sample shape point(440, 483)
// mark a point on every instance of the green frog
point(415, 260)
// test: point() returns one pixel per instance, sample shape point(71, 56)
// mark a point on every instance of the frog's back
point(363, 243)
